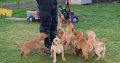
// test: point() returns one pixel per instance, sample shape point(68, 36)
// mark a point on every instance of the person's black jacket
point(48, 13)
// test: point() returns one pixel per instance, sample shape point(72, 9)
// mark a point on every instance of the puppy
point(99, 47)
point(57, 48)
point(60, 30)
point(60, 20)
point(82, 45)
point(67, 36)
point(38, 43)
point(60, 33)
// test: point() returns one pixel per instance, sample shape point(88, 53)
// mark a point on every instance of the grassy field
point(104, 19)
point(11, 2)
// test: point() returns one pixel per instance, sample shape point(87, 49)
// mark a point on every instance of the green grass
point(106, 24)
point(11, 2)
point(22, 12)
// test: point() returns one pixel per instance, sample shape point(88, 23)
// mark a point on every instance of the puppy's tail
point(18, 44)
point(102, 39)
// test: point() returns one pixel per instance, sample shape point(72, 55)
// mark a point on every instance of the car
point(33, 15)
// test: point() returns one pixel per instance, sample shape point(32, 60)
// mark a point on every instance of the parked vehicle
point(33, 15)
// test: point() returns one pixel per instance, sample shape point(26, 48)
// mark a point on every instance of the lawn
point(103, 18)
point(9, 2)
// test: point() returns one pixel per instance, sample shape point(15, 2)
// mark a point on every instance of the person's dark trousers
point(48, 18)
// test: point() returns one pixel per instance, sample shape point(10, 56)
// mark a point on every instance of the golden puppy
point(57, 48)
point(99, 47)
point(60, 33)
point(32, 45)
point(60, 20)
point(60, 30)
point(82, 45)
point(68, 34)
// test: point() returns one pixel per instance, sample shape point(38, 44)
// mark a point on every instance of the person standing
point(48, 19)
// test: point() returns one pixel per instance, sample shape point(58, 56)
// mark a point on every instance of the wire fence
point(13, 4)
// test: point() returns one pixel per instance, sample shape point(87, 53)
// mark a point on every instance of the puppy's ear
point(45, 36)
point(58, 36)
point(60, 41)
point(59, 29)
point(42, 36)
point(72, 30)
point(75, 33)
point(53, 43)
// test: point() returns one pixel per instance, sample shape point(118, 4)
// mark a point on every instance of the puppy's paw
point(51, 56)
point(64, 59)
point(54, 61)
point(25, 57)
point(85, 60)
point(102, 59)
point(98, 59)
point(93, 56)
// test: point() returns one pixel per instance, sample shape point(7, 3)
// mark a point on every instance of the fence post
point(1, 15)
point(18, 3)
point(5, 15)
